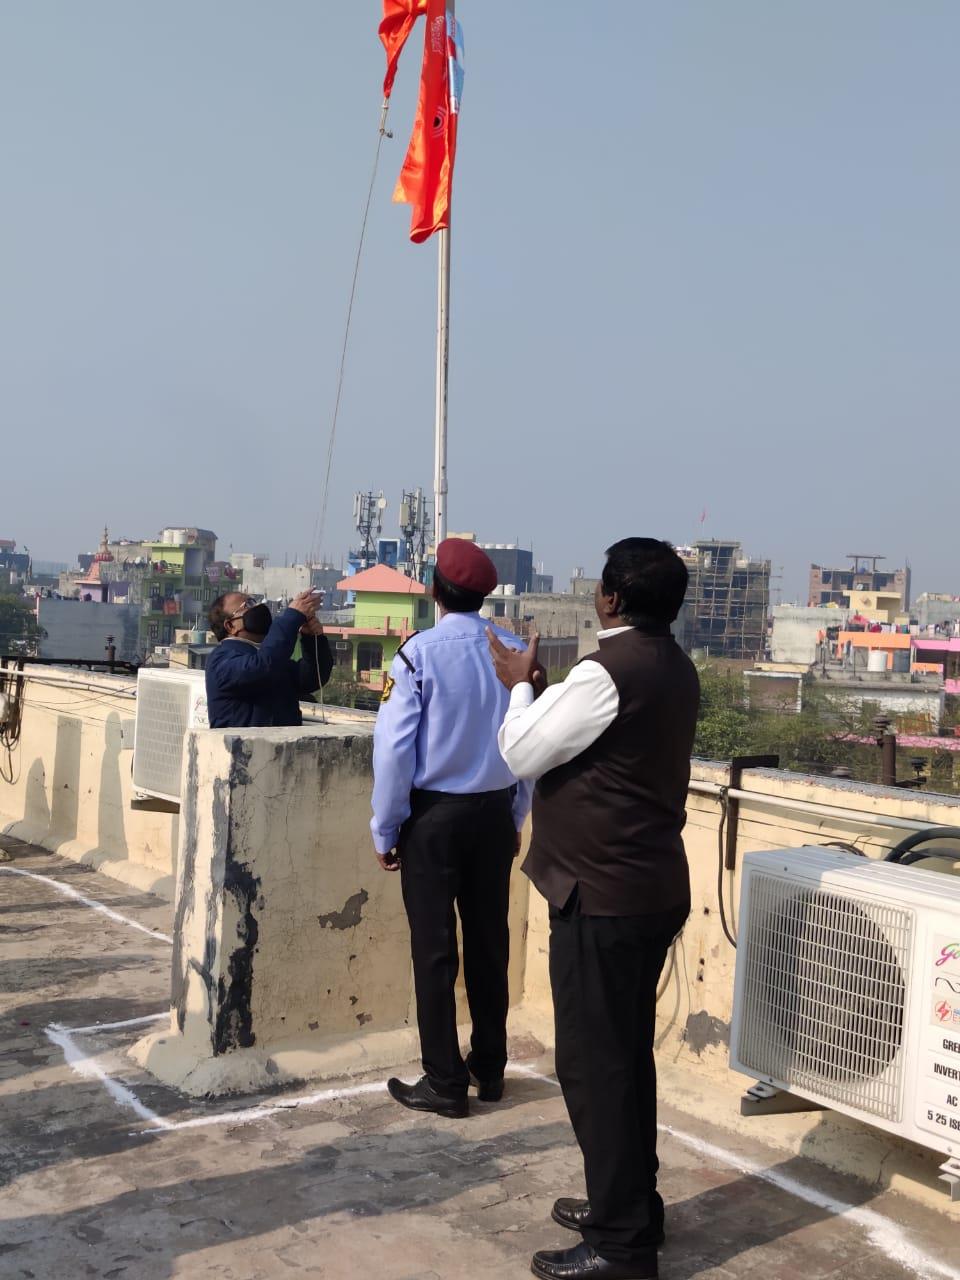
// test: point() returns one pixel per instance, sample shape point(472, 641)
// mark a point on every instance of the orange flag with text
point(426, 178)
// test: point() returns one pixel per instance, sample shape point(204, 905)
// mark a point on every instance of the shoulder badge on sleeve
point(387, 689)
point(403, 657)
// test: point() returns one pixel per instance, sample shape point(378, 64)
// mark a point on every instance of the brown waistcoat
point(609, 821)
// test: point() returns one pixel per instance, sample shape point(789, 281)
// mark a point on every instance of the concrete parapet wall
point(292, 954)
point(67, 784)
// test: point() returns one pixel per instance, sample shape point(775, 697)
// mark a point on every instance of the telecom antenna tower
point(368, 509)
point(415, 526)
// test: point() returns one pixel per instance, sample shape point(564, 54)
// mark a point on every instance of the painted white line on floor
point(312, 1099)
point(69, 892)
point(271, 1108)
point(883, 1234)
point(520, 1069)
point(116, 1026)
point(90, 1069)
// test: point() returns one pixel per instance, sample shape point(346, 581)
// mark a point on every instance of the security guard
point(447, 812)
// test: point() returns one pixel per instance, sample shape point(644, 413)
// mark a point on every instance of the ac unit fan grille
point(163, 708)
point(823, 1001)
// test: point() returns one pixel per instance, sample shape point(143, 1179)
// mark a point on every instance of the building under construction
point(727, 601)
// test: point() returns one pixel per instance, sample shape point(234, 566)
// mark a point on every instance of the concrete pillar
point(289, 940)
point(291, 954)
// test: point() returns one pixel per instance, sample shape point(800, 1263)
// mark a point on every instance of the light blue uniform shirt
point(437, 729)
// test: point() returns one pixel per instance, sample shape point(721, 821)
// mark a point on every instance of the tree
point(344, 690)
point(817, 738)
point(19, 631)
point(723, 729)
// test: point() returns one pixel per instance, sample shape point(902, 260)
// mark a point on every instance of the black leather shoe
point(423, 1097)
point(575, 1214)
point(572, 1214)
point(584, 1263)
point(487, 1090)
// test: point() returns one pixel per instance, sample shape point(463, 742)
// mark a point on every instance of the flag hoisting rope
point(316, 546)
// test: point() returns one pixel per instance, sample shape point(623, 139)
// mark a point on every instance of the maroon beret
point(464, 565)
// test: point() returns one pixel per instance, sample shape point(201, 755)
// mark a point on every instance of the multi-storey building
point(937, 610)
point(14, 565)
point(833, 586)
point(173, 579)
point(389, 608)
point(513, 563)
point(728, 598)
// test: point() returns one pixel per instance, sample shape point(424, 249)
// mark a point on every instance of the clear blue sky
point(705, 256)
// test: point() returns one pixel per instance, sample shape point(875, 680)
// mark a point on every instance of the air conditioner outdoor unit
point(848, 991)
point(169, 702)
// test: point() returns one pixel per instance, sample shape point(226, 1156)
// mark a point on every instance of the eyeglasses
point(249, 603)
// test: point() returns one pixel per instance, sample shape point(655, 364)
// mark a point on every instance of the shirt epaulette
point(402, 656)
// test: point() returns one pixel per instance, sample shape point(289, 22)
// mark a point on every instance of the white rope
point(320, 524)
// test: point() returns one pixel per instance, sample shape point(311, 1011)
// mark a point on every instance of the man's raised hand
point(514, 666)
point(306, 603)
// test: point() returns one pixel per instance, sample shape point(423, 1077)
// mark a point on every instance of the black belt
point(439, 797)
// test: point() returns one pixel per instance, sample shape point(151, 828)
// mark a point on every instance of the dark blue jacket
point(250, 686)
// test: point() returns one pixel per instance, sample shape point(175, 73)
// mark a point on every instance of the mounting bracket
point(737, 766)
point(950, 1174)
point(767, 1100)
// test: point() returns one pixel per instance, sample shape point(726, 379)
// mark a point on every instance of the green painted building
point(389, 608)
point(182, 580)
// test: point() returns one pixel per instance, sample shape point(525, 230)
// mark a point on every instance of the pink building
point(943, 653)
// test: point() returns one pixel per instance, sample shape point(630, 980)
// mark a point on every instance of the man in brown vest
point(610, 747)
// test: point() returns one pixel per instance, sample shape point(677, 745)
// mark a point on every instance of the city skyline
point(561, 575)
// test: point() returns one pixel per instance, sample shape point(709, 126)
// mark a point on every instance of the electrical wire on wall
point(11, 718)
point(721, 830)
point(323, 709)
point(668, 967)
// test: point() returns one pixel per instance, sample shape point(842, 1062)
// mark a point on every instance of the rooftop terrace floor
point(105, 1174)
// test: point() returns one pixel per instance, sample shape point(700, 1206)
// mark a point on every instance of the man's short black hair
point(649, 577)
point(217, 616)
point(455, 599)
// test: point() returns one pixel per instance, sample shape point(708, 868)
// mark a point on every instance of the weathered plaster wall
point(67, 784)
point(292, 952)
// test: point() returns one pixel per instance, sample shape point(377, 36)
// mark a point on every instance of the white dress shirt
point(537, 736)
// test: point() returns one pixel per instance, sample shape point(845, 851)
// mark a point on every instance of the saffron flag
point(426, 178)
point(399, 17)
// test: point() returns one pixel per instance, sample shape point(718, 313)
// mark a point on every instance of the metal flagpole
point(443, 347)
point(443, 364)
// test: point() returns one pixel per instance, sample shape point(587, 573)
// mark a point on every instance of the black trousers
point(604, 972)
point(459, 850)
